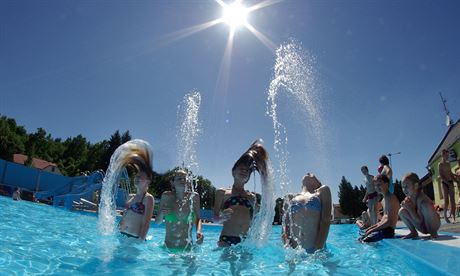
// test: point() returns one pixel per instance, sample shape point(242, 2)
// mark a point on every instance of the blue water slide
point(32, 179)
point(81, 187)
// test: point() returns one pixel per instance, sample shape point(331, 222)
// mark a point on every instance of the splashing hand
point(199, 238)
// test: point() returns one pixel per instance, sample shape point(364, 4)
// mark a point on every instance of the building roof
point(426, 179)
point(451, 136)
point(36, 163)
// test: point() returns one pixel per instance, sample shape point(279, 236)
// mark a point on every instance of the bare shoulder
point(221, 192)
point(324, 189)
point(149, 197)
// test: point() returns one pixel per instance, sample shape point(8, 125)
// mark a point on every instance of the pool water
point(40, 239)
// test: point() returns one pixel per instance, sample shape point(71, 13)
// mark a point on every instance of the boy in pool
point(417, 210)
point(385, 229)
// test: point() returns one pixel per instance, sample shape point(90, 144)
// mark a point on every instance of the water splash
point(107, 206)
point(188, 130)
point(261, 225)
point(295, 77)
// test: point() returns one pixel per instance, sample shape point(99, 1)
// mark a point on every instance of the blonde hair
point(137, 160)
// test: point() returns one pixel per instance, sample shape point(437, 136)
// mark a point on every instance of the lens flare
point(235, 14)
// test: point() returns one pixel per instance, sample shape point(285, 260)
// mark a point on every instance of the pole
point(391, 154)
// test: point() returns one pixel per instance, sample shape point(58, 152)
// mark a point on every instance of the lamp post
point(391, 154)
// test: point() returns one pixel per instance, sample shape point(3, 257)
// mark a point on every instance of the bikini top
point(138, 207)
point(313, 203)
point(172, 217)
point(239, 201)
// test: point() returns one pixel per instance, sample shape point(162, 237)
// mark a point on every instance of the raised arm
point(325, 220)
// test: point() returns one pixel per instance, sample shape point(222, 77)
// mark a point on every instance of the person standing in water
point(308, 216)
point(135, 222)
point(180, 208)
point(236, 207)
point(371, 196)
point(417, 210)
point(447, 183)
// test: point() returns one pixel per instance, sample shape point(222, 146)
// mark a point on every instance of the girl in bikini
point(236, 207)
point(307, 216)
point(180, 209)
point(135, 222)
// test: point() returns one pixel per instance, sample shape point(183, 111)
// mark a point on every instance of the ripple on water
point(63, 246)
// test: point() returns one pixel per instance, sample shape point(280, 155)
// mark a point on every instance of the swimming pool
point(40, 239)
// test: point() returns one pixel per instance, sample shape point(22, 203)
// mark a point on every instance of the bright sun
point(235, 14)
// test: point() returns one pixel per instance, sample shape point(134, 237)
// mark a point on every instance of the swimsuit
point(313, 203)
point(171, 217)
point(391, 188)
point(138, 207)
point(371, 196)
point(129, 235)
point(236, 201)
point(230, 240)
point(241, 201)
point(385, 233)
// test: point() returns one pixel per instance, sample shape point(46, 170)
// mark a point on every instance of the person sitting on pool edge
point(180, 209)
point(417, 210)
point(236, 207)
point(16, 194)
point(135, 222)
point(365, 221)
point(384, 229)
point(308, 216)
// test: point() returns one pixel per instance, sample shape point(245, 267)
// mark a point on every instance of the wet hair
point(412, 178)
point(256, 150)
point(384, 160)
point(365, 168)
point(382, 177)
point(247, 160)
point(138, 160)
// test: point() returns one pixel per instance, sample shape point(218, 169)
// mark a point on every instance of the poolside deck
point(441, 253)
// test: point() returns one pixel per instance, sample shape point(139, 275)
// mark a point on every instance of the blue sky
point(92, 67)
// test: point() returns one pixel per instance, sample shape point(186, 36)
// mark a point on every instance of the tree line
point(76, 155)
point(350, 197)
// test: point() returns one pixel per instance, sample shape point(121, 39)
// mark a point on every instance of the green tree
point(12, 138)
point(346, 197)
point(398, 191)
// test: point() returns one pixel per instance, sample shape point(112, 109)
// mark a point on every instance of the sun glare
point(235, 14)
